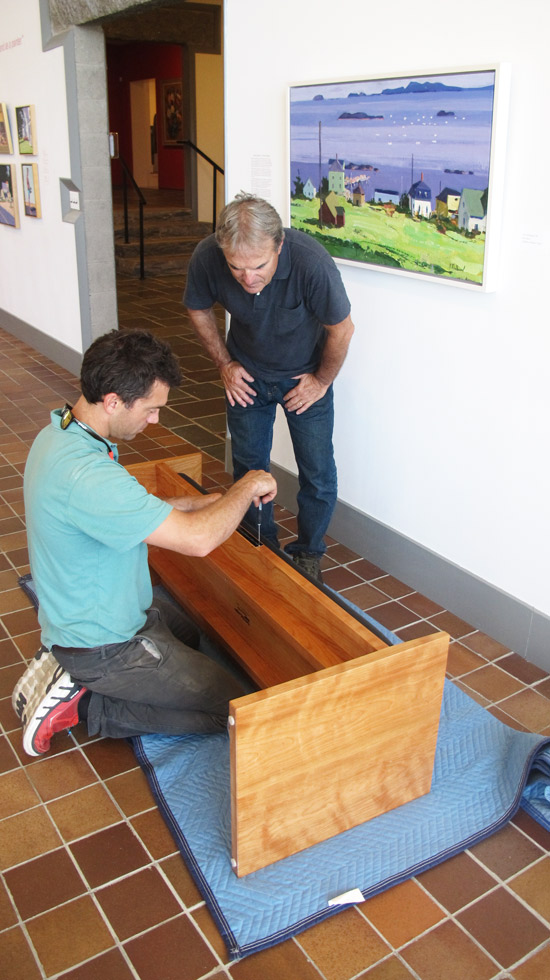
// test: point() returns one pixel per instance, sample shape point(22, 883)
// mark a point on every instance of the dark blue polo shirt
point(279, 332)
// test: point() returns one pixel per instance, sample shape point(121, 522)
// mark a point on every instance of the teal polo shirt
point(87, 519)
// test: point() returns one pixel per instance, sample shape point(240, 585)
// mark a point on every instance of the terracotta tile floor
point(91, 883)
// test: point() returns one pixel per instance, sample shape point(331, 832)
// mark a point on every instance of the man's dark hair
point(127, 362)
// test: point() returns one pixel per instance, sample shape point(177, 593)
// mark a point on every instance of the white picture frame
point(410, 167)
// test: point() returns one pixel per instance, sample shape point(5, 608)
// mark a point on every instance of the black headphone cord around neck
point(67, 417)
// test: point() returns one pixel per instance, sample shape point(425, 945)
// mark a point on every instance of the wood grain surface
point(313, 757)
point(343, 728)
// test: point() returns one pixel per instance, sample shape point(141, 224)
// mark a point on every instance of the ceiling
point(197, 25)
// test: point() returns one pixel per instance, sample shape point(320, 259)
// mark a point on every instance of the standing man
point(289, 335)
point(111, 654)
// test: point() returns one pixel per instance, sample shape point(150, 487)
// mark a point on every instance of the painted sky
point(341, 90)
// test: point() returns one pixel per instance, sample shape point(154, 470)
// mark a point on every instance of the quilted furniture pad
point(482, 769)
point(483, 772)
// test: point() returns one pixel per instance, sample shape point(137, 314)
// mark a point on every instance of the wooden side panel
point(170, 484)
point(316, 756)
point(148, 473)
point(238, 624)
point(258, 606)
point(277, 623)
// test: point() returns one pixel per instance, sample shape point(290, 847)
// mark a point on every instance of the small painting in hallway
point(31, 190)
point(9, 209)
point(400, 173)
point(26, 129)
point(6, 145)
point(172, 113)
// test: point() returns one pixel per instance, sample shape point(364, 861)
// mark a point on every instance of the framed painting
point(172, 113)
point(9, 208)
point(31, 190)
point(403, 173)
point(6, 145)
point(26, 129)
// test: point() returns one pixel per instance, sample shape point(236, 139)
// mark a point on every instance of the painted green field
point(398, 241)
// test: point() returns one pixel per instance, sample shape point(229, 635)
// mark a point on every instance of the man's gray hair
point(246, 222)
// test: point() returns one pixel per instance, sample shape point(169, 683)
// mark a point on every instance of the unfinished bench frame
point(319, 748)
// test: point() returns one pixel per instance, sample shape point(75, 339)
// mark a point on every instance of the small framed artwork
point(403, 173)
point(172, 113)
point(6, 145)
point(31, 190)
point(26, 129)
point(9, 208)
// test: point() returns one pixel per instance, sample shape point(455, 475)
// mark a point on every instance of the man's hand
point(308, 391)
point(200, 530)
point(262, 486)
point(235, 377)
point(312, 387)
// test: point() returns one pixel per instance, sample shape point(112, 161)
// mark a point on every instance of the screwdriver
point(260, 522)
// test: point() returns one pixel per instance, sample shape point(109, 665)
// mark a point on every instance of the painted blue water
point(409, 140)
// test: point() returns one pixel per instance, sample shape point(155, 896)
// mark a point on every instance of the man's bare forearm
point(334, 351)
point(206, 328)
point(198, 532)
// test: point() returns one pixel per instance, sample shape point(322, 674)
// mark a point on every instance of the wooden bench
point(343, 726)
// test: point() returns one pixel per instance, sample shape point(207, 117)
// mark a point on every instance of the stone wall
point(66, 13)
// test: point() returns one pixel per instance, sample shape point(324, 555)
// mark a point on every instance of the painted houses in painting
point(420, 198)
point(309, 190)
point(332, 210)
point(336, 177)
point(472, 210)
point(358, 196)
point(447, 202)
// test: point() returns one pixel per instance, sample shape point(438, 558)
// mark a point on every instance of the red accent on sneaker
point(64, 715)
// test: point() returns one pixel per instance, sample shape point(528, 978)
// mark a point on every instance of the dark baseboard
point(487, 608)
point(54, 349)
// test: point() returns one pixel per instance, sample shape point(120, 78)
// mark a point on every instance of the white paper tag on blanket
point(347, 898)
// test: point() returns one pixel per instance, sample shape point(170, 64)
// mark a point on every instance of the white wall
point(46, 296)
point(443, 407)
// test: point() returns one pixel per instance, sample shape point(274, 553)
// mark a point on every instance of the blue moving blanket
point(483, 772)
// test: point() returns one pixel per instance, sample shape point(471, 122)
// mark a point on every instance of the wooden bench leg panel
point(314, 757)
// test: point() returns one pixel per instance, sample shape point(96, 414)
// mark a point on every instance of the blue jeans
point(251, 431)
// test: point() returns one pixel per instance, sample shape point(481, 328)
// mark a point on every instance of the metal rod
point(125, 200)
point(141, 243)
point(214, 202)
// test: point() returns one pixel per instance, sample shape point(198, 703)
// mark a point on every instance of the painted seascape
point(394, 172)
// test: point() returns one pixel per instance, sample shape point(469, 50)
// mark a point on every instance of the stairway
point(170, 236)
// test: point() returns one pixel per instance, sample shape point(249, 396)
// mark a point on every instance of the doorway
point(143, 123)
point(194, 30)
point(176, 44)
point(141, 78)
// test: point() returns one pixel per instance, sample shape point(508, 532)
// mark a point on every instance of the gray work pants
point(155, 682)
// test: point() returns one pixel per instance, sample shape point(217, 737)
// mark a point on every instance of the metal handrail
point(215, 171)
point(128, 175)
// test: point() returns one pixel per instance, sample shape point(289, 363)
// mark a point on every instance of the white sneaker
point(38, 673)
